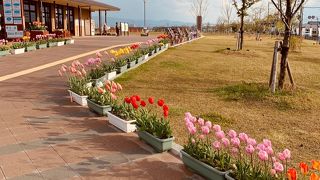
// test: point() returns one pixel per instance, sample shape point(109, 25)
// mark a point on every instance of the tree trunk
point(284, 57)
point(241, 31)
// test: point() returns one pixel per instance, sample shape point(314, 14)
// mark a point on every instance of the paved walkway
point(44, 136)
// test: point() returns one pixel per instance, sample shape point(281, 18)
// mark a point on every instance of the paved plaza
point(45, 136)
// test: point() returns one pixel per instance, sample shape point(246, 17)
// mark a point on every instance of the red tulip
point(160, 102)
point(165, 113)
point(143, 103)
point(135, 105)
point(304, 168)
point(151, 100)
point(165, 108)
point(292, 174)
point(133, 99)
point(127, 100)
point(138, 98)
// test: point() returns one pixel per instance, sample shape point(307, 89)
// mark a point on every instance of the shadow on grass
point(258, 92)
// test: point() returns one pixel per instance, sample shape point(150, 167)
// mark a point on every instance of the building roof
point(85, 4)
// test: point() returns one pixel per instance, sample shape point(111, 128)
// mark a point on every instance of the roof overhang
point(86, 4)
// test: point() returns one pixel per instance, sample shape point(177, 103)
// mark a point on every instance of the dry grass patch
point(231, 89)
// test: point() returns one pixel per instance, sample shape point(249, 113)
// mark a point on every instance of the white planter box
point(72, 41)
point(81, 100)
point(60, 43)
point(145, 57)
point(166, 46)
point(125, 126)
point(17, 51)
point(112, 75)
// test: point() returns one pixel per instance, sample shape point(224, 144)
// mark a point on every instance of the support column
point(54, 14)
point(68, 17)
point(100, 22)
point(79, 17)
point(90, 21)
point(105, 17)
point(40, 11)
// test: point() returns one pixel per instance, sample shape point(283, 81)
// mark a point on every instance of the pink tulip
point(263, 156)
point(216, 145)
point(113, 96)
point(201, 122)
point(84, 72)
point(269, 150)
point(217, 128)
point(235, 142)
point(278, 167)
point(205, 130)
point(225, 142)
point(250, 149)
point(273, 172)
point(252, 141)
point(232, 134)
point(192, 129)
point(193, 141)
point(274, 159)
point(243, 137)
point(281, 157)
point(261, 147)
point(99, 54)
point(267, 143)
point(188, 115)
point(119, 86)
point(287, 154)
point(219, 134)
point(63, 69)
point(209, 124)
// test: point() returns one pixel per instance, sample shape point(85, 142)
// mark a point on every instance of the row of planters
point(210, 151)
point(220, 155)
point(95, 90)
point(22, 47)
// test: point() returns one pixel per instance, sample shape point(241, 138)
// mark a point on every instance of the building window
point(59, 17)
point(70, 16)
point(46, 15)
point(30, 12)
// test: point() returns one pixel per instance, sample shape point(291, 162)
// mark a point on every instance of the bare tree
point(199, 8)
point(287, 9)
point(242, 6)
point(227, 10)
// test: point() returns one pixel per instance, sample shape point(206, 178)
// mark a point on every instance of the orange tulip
point(314, 177)
point(292, 174)
point(315, 165)
point(304, 168)
point(100, 90)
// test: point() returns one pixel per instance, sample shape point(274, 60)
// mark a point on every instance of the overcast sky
point(178, 10)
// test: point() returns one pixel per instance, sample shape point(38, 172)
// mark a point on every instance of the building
point(72, 15)
point(310, 30)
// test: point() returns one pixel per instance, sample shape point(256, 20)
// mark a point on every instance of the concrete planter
point(111, 75)
point(131, 64)
point(201, 168)
point(160, 145)
point(81, 100)
point(228, 177)
point(17, 51)
point(157, 50)
point(61, 43)
point(122, 69)
point(69, 41)
point(100, 110)
point(166, 46)
point(4, 53)
point(52, 44)
point(126, 126)
point(31, 48)
point(145, 57)
point(41, 46)
point(139, 60)
point(152, 52)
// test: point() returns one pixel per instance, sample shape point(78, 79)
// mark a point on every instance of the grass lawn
point(231, 89)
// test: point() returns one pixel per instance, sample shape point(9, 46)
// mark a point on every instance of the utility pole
point(145, 23)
